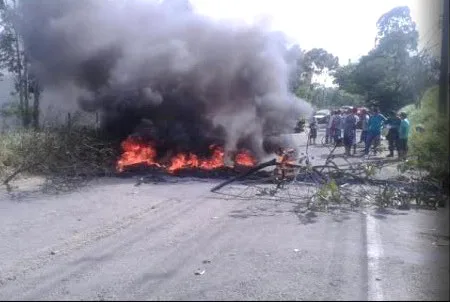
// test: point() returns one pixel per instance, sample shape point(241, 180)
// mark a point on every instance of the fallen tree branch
point(329, 157)
point(352, 183)
point(21, 169)
point(273, 162)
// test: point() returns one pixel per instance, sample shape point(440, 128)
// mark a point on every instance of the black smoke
point(163, 71)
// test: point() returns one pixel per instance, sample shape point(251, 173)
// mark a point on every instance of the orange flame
point(135, 152)
point(285, 159)
point(244, 158)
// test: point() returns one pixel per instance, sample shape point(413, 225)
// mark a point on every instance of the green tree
point(14, 60)
point(317, 61)
point(329, 97)
point(393, 74)
point(397, 33)
point(423, 74)
point(430, 148)
point(304, 65)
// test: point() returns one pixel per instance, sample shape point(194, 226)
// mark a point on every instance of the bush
point(430, 147)
point(78, 151)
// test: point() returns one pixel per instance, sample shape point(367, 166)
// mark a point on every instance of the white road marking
point(374, 254)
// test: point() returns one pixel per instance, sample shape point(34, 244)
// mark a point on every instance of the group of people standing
point(341, 129)
point(342, 125)
point(397, 126)
point(398, 131)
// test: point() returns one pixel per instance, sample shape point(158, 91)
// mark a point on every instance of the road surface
point(112, 240)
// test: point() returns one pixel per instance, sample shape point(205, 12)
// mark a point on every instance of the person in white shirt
point(337, 127)
point(344, 115)
point(364, 125)
point(329, 130)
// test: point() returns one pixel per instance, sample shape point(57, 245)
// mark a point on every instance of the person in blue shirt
point(403, 136)
point(374, 127)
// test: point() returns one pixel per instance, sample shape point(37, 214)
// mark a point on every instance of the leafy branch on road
point(352, 184)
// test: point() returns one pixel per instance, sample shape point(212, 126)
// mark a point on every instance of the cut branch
point(21, 169)
point(273, 162)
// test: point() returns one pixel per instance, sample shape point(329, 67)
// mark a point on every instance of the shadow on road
point(304, 215)
point(383, 213)
point(308, 218)
point(244, 214)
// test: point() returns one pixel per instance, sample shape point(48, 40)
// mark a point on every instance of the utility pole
point(444, 76)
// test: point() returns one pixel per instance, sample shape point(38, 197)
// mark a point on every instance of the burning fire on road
point(138, 152)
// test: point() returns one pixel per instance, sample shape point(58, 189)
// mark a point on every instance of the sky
point(346, 28)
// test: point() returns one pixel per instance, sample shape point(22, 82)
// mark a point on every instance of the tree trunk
point(20, 75)
point(26, 93)
point(36, 103)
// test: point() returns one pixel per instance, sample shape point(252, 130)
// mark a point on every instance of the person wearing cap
point(403, 136)
point(393, 125)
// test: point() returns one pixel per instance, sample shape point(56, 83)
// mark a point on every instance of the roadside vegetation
point(56, 151)
point(429, 148)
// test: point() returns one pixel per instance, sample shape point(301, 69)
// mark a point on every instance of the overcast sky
point(346, 28)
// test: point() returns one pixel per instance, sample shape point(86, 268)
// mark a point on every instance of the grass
point(430, 148)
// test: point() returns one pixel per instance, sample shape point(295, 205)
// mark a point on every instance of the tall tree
point(306, 64)
point(13, 59)
point(316, 61)
point(394, 73)
point(397, 32)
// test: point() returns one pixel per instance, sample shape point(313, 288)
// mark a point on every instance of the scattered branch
point(354, 184)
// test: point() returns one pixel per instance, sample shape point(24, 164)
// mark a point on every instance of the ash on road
point(177, 241)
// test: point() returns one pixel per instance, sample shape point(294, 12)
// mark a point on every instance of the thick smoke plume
point(163, 71)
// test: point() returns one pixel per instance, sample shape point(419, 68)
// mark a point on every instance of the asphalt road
point(112, 240)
